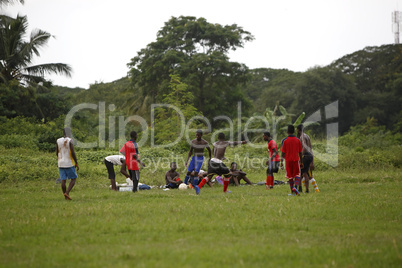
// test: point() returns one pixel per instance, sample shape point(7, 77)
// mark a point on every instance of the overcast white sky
point(98, 37)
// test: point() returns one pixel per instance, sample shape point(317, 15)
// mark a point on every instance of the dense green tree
point(17, 55)
point(24, 89)
point(171, 117)
point(377, 74)
point(40, 102)
point(319, 87)
point(197, 51)
point(268, 87)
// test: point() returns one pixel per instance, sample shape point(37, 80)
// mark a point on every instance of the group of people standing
point(298, 155)
point(296, 151)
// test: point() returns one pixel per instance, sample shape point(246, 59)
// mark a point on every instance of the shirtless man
point(172, 177)
point(308, 159)
point(216, 166)
point(238, 175)
point(197, 145)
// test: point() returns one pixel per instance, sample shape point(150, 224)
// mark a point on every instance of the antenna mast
point(396, 24)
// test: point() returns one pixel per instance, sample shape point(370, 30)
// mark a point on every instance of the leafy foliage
point(170, 121)
point(197, 51)
point(30, 133)
point(377, 72)
point(319, 87)
point(17, 55)
point(269, 87)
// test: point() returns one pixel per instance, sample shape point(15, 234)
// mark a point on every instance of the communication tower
point(396, 24)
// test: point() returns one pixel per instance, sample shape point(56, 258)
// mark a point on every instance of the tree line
point(193, 54)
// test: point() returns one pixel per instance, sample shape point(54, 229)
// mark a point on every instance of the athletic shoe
point(197, 189)
point(295, 191)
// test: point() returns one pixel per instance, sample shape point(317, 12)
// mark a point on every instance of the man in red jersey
point(273, 161)
point(130, 150)
point(292, 153)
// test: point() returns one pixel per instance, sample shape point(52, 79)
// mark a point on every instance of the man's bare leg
point(246, 180)
point(64, 188)
point(70, 186)
point(236, 180)
point(306, 181)
point(113, 183)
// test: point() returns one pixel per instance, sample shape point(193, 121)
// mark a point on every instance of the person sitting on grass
point(172, 177)
point(238, 175)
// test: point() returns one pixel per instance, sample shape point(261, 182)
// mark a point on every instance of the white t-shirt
point(65, 159)
point(115, 159)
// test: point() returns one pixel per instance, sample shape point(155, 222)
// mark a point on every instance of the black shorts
point(110, 170)
point(134, 175)
point(307, 160)
point(217, 168)
point(273, 167)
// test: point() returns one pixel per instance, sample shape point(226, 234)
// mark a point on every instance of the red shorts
point(292, 169)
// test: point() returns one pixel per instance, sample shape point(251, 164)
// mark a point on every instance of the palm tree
point(16, 54)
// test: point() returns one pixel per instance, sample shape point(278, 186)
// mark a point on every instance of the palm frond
point(38, 39)
point(10, 2)
point(49, 68)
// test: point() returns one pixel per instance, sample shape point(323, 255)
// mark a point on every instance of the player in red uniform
point(273, 161)
point(292, 153)
point(130, 150)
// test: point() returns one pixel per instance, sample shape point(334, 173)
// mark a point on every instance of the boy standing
point(130, 150)
point(308, 159)
point(273, 161)
point(67, 160)
point(197, 145)
point(292, 153)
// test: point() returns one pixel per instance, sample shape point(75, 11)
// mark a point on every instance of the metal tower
point(396, 24)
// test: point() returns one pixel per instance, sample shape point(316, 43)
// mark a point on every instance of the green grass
point(355, 221)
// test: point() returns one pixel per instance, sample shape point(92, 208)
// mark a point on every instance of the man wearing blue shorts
point(197, 145)
point(67, 162)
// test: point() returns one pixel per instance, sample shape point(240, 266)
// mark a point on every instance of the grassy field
point(355, 221)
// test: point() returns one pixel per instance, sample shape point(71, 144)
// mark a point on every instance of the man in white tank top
point(67, 162)
point(115, 160)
